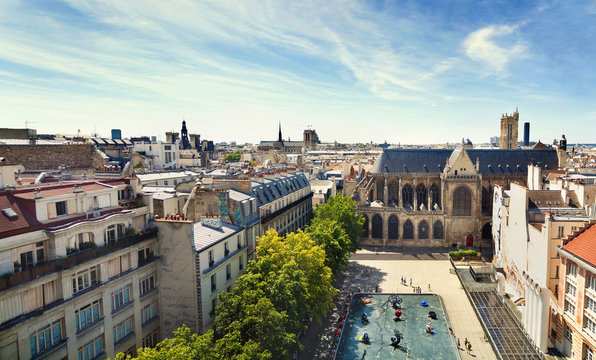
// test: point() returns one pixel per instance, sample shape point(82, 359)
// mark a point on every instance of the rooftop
point(206, 236)
point(583, 246)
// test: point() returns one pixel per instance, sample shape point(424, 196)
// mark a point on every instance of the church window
point(380, 190)
point(365, 226)
point(486, 198)
point(393, 190)
point(438, 230)
point(377, 227)
point(435, 196)
point(421, 197)
point(423, 230)
point(462, 202)
point(408, 230)
point(407, 196)
point(393, 227)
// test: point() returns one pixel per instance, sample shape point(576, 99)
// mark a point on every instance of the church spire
point(279, 138)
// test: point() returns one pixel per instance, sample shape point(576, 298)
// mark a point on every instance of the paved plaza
point(369, 270)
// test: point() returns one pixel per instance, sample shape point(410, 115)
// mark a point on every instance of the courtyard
point(369, 271)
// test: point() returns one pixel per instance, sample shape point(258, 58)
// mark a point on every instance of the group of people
point(416, 289)
point(467, 344)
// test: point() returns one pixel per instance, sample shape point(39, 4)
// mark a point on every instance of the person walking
point(458, 344)
point(410, 281)
point(469, 347)
point(465, 343)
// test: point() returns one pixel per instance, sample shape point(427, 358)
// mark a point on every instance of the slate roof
point(205, 236)
point(491, 161)
point(411, 161)
point(513, 161)
point(272, 189)
point(582, 245)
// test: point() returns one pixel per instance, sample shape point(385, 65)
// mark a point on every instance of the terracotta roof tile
point(584, 245)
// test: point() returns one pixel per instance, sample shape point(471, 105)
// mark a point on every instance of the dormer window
point(61, 208)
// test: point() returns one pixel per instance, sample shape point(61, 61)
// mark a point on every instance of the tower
point(526, 134)
point(184, 136)
point(509, 131)
point(279, 138)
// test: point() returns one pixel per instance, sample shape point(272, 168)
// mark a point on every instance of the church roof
point(411, 161)
point(496, 161)
point(491, 161)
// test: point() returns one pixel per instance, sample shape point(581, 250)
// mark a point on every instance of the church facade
point(439, 197)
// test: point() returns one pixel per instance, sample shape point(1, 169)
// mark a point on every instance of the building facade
point(79, 277)
point(440, 197)
point(509, 131)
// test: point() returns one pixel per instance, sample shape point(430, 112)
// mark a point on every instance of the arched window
point(377, 227)
point(393, 190)
point(435, 196)
point(380, 190)
point(365, 226)
point(423, 230)
point(421, 198)
point(462, 202)
point(438, 230)
point(406, 195)
point(113, 233)
point(393, 227)
point(408, 230)
point(486, 199)
point(487, 231)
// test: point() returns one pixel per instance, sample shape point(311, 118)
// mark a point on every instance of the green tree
point(332, 238)
point(233, 156)
point(343, 210)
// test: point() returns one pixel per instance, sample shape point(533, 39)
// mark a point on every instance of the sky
point(409, 72)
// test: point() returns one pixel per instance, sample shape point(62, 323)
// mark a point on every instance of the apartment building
point(79, 277)
point(284, 201)
point(159, 155)
point(573, 326)
point(203, 253)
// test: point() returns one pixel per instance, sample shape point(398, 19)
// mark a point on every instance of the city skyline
point(405, 72)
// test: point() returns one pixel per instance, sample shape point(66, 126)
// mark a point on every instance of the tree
point(343, 210)
point(233, 156)
point(332, 238)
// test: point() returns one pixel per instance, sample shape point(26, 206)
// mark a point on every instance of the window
point(588, 353)
point(569, 334)
point(561, 231)
point(408, 230)
point(407, 197)
point(569, 307)
point(591, 282)
point(122, 330)
point(145, 255)
point(213, 283)
point(228, 272)
point(571, 270)
point(211, 261)
point(240, 263)
point(590, 304)
point(377, 226)
point(45, 337)
point(239, 241)
point(121, 194)
point(146, 284)
point(113, 233)
point(226, 249)
point(590, 325)
point(421, 197)
point(462, 202)
point(167, 147)
point(438, 230)
point(87, 315)
point(148, 312)
point(151, 339)
point(92, 349)
point(213, 306)
point(570, 289)
point(84, 279)
point(61, 208)
point(557, 272)
point(121, 297)
point(423, 230)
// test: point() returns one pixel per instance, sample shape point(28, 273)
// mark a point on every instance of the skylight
point(10, 213)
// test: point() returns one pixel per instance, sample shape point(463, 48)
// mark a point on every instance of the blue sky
point(357, 71)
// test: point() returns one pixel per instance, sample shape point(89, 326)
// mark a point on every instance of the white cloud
point(481, 46)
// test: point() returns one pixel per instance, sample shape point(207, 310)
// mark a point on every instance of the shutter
point(125, 262)
point(32, 299)
point(52, 210)
point(11, 308)
point(49, 292)
point(71, 206)
point(114, 267)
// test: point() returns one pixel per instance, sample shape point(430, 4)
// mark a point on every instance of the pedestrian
point(458, 343)
point(469, 347)
point(466, 343)
point(429, 287)
point(410, 281)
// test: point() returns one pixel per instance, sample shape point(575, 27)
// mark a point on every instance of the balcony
point(74, 259)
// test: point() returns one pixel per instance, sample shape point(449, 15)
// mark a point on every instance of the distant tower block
point(509, 131)
point(116, 134)
point(526, 134)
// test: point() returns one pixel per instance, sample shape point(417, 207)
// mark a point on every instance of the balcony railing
point(74, 259)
